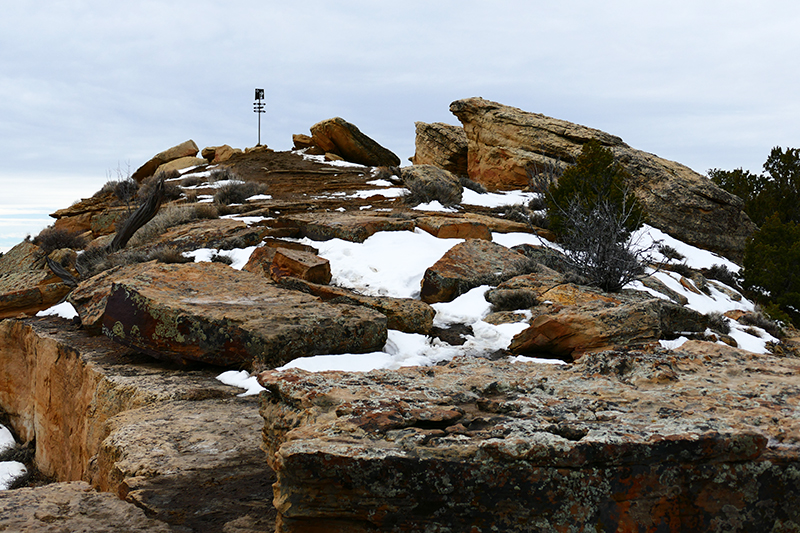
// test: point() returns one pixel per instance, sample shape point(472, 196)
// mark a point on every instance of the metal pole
point(258, 107)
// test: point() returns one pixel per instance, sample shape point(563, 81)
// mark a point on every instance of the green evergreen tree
point(772, 266)
point(596, 177)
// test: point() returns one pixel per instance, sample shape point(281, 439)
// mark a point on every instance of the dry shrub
point(167, 217)
point(237, 192)
point(51, 238)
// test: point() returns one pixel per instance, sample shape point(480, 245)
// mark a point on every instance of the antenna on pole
point(258, 107)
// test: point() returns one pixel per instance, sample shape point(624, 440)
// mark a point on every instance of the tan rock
point(180, 164)
point(505, 143)
point(212, 313)
point(219, 154)
point(300, 264)
point(453, 228)
point(468, 265)
point(338, 136)
point(441, 145)
point(185, 149)
point(301, 141)
point(354, 227)
point(476, 436)
point(73, 506)
point(428, 183)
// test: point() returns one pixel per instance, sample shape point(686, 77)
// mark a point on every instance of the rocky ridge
point(462, 439)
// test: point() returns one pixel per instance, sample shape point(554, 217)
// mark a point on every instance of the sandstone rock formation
point(610, 443)
point(176, 442)
point(27, 285)
point(219, 154)
point(72, 506)
point(468, 265)
point(505, 143)
point(342, 138)
point(428, 183)
point(212, 313)
point(185, 149)
point(441, 145)
point(355, 227)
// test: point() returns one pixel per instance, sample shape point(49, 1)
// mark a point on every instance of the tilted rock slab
point(467, 265)
point(340, 137)
point(429, 183)
point(185, 149)
point(27, 285)
point(691, 440)
point(441, 145)
point(403, 314)
point(504, 142)
point(353, 227)
point(212, 313)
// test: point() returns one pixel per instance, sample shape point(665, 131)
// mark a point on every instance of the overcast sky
point(87, 87)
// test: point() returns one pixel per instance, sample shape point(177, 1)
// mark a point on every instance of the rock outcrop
point(27, 285)
point(468, 265)
point(441, 145)
point(72, 506)
point(611, 443)
point(344, 139)
point(428, 183)
point(185, 149)
point(176, 442)
point(506, 143)
point(212, 313)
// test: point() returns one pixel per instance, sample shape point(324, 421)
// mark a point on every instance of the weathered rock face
point(600, 325)
point(504, 142)
point(468, 265)
point(219, 154)
point(441, 145)
point(300, 264)
point(27, 285)
point(79, 217)
point(72, 507)
point(454, 228)
point(177, 443)
point(185, 149)
point(339, 137)
point(402, 314)
point(428, 183)
point(610, 443)
point(212, 313)
point(354, 227)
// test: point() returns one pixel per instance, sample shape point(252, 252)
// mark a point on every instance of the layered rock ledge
point(706, 438)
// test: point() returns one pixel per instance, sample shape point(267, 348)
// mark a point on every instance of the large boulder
point(621, 441)
point(212, 313)
point(506, 144)
point(339, 137)
point(441, 145)
point(428, 183)
point(27, 285)
point(467, 265)
point(185, 149)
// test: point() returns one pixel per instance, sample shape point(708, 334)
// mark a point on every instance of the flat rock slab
point(212, 313)
point(195, 465)
point(706, 438)
point(73, 507)
point(467, 265)
point(403, 314)
point(354, 227)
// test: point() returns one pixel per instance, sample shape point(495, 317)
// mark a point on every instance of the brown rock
point(441, 145)
point(428, 183)
point(354, 227)
point(301, 141)
point(338, 136)
point(185, 149)
point(402, 314)
point(468, 265)
point(505, 142)
point(603, 325)
point(659, 440)
point(73, 506)
point(300, 264)
point(212, 313)
point(219, 154)
point(180, 164)
point(90, 296)
point(105, 222)
point(27, 285)
point(260, 261)
point(454, 228)
point(79, 217)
